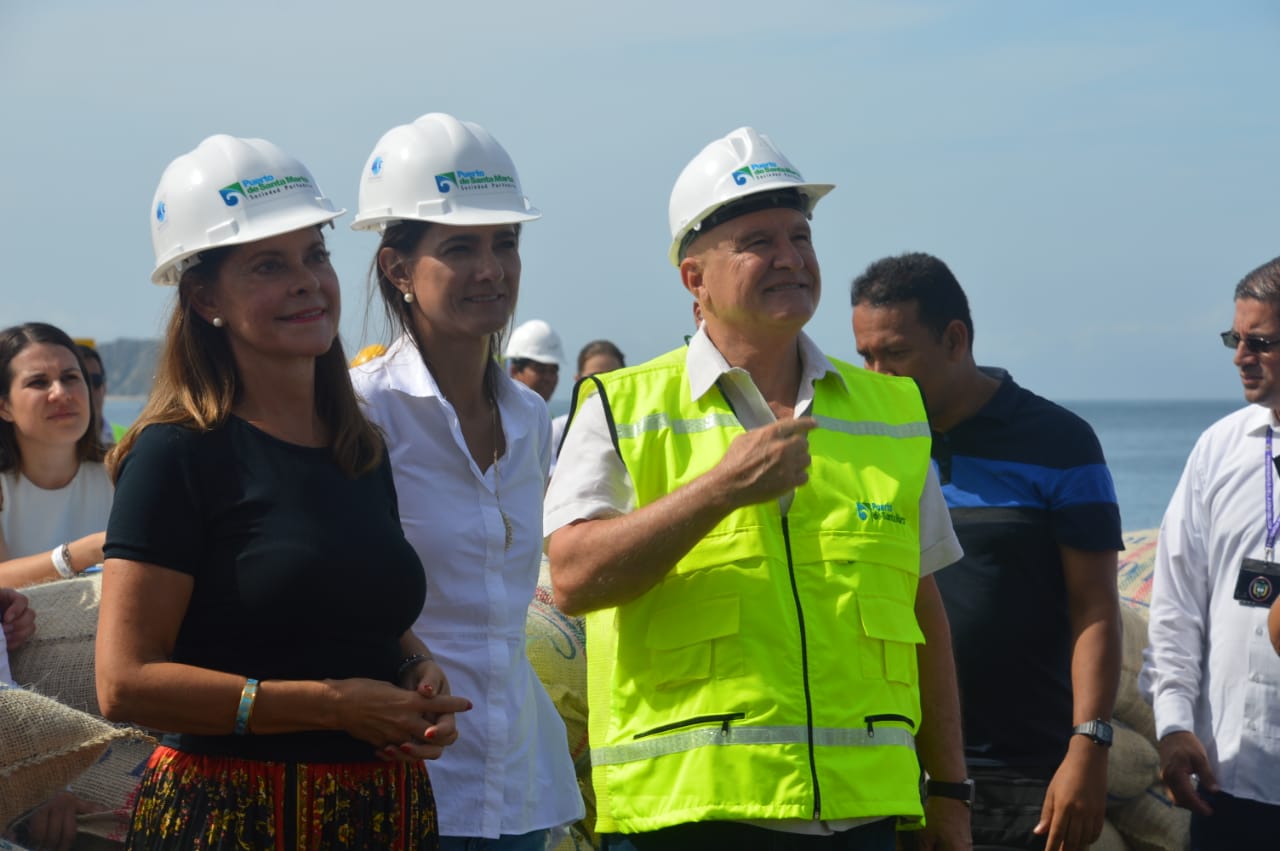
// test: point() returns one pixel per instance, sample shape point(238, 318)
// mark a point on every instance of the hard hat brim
point(465, 217)
point(169, 271)
point(813, 193)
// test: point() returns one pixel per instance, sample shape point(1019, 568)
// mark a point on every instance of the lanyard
point(1273, 522)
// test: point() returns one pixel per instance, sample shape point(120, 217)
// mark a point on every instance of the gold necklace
point(497, 475)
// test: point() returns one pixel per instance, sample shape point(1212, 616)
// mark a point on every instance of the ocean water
point(1145, 444)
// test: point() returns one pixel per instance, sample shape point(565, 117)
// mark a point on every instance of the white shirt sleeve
point(590, 480)
point(1180, 594)
point(939, 545)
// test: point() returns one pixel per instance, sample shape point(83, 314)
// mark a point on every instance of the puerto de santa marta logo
point(763, 171)
point(879, 511)
point(469, 181)
point(375, 167)
point(256, 188)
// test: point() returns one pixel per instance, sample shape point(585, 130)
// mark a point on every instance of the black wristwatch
point(1098, 730)
point(962, 791)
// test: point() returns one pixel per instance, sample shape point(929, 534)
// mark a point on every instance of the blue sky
point(1097, 175)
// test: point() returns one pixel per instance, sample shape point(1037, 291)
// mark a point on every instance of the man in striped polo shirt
point(1033, 608)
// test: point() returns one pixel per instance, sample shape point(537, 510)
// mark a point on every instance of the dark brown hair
point(404, 236)
point(12, 342)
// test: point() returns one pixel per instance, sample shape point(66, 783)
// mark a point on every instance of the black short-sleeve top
point(299, 572)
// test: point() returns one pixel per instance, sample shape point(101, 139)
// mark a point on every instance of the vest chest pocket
point(694, 643)
point(891, 639)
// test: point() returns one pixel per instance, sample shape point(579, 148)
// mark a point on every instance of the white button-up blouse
point(510, 771)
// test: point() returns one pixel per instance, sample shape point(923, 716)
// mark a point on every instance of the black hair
point(12, 342)
point(599, 347)
point(917, 277)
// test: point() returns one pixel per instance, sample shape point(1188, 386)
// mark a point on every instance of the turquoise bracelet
point(247, 696)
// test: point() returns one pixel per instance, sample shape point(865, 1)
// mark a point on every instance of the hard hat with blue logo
point(440, 169)
point(229, 191)
point(537, 341)
point(734, 175)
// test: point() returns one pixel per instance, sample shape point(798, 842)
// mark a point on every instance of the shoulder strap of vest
point(604, 403)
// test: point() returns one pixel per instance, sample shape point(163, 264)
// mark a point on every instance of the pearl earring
point(217, 322)
point(408, 298)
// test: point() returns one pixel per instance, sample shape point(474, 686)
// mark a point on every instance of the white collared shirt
point(510, 770)
point(1210, 667)
point(592, 482)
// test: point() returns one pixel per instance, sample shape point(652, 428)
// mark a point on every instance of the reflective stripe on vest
point(731, 735)
point(659, 422)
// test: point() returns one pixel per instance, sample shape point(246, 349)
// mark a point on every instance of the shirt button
point(1257, 630)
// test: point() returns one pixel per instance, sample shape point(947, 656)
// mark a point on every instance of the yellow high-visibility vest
point(772, 673)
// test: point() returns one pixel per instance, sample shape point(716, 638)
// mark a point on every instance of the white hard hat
point(535, 340)
point(229, 191)
point(440, 169)
point(742, 164)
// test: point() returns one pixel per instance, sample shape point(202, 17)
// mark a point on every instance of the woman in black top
point(258, 591)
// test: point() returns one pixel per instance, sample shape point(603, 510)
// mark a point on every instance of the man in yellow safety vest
point(750, 527)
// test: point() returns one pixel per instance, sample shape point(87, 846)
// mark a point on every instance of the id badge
point(1258, 583)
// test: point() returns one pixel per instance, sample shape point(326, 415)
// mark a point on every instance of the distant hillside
point(130, 365)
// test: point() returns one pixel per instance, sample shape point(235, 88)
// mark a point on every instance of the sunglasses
point(1256, 345)
point(96, 380)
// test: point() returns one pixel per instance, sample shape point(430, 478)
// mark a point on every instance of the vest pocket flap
point(889, 619)
point(682, 626)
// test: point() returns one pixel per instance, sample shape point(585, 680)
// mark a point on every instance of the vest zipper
point(872, 719)
point(722, 719)
point(804, 663)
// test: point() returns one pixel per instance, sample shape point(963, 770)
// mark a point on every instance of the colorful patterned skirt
point(187, 801)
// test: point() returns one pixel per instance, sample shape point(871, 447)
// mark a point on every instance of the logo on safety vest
point(879, 511)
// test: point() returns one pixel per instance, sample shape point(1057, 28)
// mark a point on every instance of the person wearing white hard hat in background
point(470, 449)
point(761, 635)
point(258, 590)
point(534, 355)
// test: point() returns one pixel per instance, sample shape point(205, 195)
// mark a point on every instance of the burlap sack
point(1137, 563)
point(1132, 765)
point(58, 660)
point(1109, 840)
point(111, 782)
point(1131, 707)
point(556, 646)
point(1151, 822)
point(43, 746)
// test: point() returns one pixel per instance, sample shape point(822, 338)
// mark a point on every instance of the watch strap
point(962, 791)
point(1098, 730)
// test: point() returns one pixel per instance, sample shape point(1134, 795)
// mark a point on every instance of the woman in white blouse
point(55, 495)
point(470, 450)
